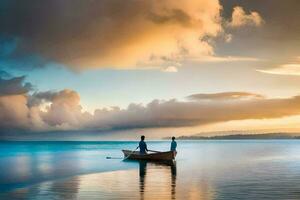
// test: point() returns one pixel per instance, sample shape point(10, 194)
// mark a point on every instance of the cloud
point(4, 75)
point(286, 69)
point(13, 86)
point(111, 33)
point(170, 69)
point(225, 96)
point(228, 38)
point(65, 110)
point(25, 111)
point(241, 18)
point(14, 113)
point(224, 59)
point(172, 113)
point(175, 113)
point(61, 110)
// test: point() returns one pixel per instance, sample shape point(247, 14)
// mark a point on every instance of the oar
point(130, 153)
point(108, 157)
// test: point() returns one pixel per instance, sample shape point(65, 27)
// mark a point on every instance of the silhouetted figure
point(143, 145)
point(173, 145)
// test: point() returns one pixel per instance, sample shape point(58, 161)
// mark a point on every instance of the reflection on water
point(143, 176)
point(203, 170)
point(143, 166)
point(149, 181)
point(173, 185)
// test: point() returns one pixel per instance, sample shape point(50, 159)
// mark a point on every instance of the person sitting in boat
point(143, 145)
point(173, 145)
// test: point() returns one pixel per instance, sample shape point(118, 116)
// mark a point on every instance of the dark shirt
point(173, 146)
point(143, 147)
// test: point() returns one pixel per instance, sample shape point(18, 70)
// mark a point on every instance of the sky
point(123, 68)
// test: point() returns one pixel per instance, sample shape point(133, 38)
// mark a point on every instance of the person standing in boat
point(143, 145)
point(173, 145)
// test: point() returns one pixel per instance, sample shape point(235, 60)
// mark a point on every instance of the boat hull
point(160, 156)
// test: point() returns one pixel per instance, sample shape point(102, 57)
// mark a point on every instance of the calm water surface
point(251, 169)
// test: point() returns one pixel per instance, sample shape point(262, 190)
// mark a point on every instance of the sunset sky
point(155, 67)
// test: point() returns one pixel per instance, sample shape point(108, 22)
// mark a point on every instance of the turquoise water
point(238, 169)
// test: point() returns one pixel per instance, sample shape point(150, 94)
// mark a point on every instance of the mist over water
point(239, 169)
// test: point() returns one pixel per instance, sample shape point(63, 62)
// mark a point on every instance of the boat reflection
point(169, 166)
point(148, 180)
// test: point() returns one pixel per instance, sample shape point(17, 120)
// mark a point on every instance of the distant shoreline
point(264, 136)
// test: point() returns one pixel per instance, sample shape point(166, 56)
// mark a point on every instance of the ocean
point(208, 169)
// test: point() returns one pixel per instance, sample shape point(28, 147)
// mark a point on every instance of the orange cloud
point(241, 18)
point(64, 112)
point(114, 34)
point(286, 69)
point(171, 69)
point(13, 112)
point(226, 96)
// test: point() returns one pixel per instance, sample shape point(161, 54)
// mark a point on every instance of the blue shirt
point(143, 147)
point(173, 146)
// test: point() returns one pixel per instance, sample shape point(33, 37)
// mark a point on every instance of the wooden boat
point(156, 156)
